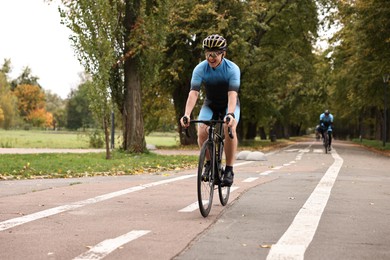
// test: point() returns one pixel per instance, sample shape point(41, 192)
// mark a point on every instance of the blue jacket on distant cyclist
point(326, 125)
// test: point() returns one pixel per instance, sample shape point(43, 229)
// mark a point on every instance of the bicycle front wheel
point(205, 187)
point(326, 142)
point(223, 191)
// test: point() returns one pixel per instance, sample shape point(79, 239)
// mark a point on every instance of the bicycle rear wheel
point(205, 188)
point(223, 191)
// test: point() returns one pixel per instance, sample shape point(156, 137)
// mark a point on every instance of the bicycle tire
point(205, 188)
point(223, 191)
point(326, 142)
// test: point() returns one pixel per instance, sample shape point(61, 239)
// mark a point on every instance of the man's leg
point(230, 146)
point(230, 153)
point(205, 114)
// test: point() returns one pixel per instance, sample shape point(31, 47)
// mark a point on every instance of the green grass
point(68, 139)
point(375, 144)
point(28, 166)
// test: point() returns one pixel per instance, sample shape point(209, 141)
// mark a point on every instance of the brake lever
point(185, 121)
point(229, 128)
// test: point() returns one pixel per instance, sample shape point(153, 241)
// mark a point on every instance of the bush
point(96, 139)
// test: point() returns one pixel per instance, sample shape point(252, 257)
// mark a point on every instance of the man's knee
point(202, 133)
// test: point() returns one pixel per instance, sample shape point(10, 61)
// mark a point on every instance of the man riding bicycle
point(326, 126)
point(221, 80)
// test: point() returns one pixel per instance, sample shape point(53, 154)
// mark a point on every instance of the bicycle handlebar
point(211, 122)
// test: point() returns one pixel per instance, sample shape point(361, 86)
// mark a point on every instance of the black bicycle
point(327, 134)
point(210, 176)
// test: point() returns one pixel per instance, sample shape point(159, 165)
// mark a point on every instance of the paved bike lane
point(74, 213)
point(352, 225)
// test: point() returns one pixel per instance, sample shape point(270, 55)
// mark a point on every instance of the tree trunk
point(133, 134)
point(251, 131)
point(263, 135)
point(180, 96)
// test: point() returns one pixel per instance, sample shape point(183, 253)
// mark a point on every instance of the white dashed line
point(266, 173)
point(102, 249)
point(250, 179)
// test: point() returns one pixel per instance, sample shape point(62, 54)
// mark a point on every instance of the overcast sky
point(31, 35)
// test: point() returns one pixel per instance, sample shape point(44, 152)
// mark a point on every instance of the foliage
point(79, 114)
point(25, 78)
point(361, 54)
point(9, 115)
point(96, 139)
point(40, 117)
point(109, 38)
point(31, 105)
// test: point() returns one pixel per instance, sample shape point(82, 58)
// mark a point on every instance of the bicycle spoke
point(205, 188)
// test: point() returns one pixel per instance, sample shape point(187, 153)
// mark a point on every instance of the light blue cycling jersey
point(217, 82)
point(326, 120)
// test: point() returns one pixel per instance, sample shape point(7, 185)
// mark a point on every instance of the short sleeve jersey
point(327, 120)
point(217, 82)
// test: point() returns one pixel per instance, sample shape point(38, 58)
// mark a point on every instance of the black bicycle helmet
point(214, 42)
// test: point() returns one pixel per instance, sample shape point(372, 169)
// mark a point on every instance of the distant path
point(52, 150)
point(46, 150)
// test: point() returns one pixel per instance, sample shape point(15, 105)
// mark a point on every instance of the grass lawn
point(69, 139)
point(30, 166)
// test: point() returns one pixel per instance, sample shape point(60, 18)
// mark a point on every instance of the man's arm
point(190, 104)
point(232, 102)
point(191, 101)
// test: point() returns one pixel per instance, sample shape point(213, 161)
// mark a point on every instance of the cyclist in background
point(326, 125)
point(221, 80)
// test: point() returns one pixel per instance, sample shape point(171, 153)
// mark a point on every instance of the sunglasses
point(213, 54)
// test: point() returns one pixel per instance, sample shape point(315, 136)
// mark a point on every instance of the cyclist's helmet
point(326, 112)
point(214, 42)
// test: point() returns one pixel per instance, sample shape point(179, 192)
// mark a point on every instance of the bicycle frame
point(213, 147)
point(215, 142)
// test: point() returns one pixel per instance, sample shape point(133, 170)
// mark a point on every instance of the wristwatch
point(231, 114)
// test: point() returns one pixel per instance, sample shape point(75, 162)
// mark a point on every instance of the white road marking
point(293, 243)
point(49, 212)
point(278, 167)
point(291, 150)
point(318, 150)
point(233, 188)
point(243, 163)
point(250, 179)
point(194, 206)
point(7, 224)
point(266, 173)
point(102, 249)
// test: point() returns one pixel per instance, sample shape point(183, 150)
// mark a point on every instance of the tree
point(360, 57)
point(109, 38)
point(79, 114)
point(57, 107)
point(25, 78)
point(8, 102)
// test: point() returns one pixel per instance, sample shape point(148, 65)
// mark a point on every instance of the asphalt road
point(299, 204)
